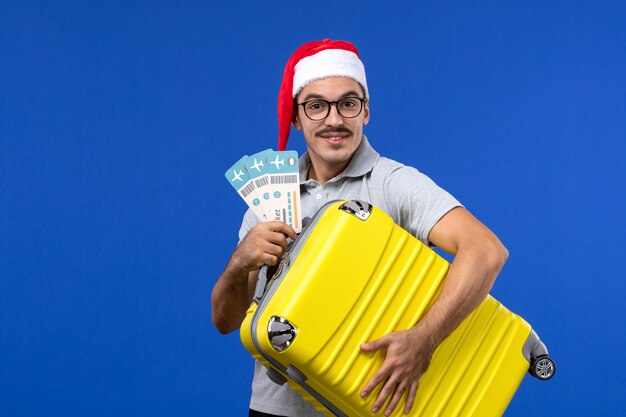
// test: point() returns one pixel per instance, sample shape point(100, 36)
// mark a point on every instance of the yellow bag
point(353, 276)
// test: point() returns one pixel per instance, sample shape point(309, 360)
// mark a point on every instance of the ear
point(366, 112)
point(296, 122)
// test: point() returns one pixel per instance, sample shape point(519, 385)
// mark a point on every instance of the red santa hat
point(315, 61)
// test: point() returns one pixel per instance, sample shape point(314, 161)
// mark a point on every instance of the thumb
point(374, 345)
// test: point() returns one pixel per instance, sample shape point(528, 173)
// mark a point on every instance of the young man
point(324, 94)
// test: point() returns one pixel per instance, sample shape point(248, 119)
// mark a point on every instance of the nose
point(334, 118)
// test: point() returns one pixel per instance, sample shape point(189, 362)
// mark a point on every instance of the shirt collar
point(361, 163)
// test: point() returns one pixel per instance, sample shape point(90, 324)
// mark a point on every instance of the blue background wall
point(118, 120)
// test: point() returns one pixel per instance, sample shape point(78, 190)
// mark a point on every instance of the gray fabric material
point(409, 197)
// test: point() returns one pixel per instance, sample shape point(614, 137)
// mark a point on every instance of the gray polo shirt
point(409, 197)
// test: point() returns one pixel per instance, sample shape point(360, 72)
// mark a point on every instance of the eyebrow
point(313, 96)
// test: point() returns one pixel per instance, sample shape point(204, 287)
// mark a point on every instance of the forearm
point(469, 280)
point(230, 298)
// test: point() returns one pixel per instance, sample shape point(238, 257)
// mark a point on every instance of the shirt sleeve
point(416, 202)
point(249, 221)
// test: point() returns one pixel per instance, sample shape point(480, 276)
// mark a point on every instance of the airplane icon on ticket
point(277, 162)
point(257, 165)
point(237, 176)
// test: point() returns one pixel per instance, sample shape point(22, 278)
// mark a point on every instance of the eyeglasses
point(318, 109)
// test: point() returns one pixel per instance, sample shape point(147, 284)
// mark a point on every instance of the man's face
point(331, 142)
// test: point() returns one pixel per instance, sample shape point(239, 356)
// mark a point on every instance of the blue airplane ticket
point(281, 189)
point(239, 177)
point(269, 183)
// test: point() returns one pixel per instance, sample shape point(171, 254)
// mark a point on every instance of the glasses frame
point(330, 104)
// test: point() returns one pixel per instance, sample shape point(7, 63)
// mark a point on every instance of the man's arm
point(233, 290)
point(479, 257)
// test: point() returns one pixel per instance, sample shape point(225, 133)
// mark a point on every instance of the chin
point(338, 157)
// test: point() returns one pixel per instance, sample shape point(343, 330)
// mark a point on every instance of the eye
point(316, 105)
point(348, 103)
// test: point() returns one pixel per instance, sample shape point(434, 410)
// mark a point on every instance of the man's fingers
point(263, 245)
point(271, 247)
point(397, 396)
point(379, 377)
point(271, 260)
point(374, 345)
point(400, 372)
point(411, 397)
point(387, 390)
point(270, 252)
point(278, 239)
point(282, 228)
point(383, 372)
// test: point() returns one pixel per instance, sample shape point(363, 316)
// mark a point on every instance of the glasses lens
point(349, 107)
point(316, 110)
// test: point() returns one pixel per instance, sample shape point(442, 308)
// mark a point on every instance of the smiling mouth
point(334, 135)
point(334, 138)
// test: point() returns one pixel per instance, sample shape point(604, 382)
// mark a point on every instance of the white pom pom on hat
point(315, 61)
